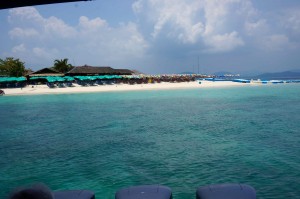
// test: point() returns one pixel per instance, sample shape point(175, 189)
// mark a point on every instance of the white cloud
point(276, 42)
point(179, 16)
point(20, 48)
point(216, 12)
point(194, 22)
point(93, 39)
point(29, 22)
point(274, 31)
point(92, 25)
point(57, 28)
point(44, 53)
point(225, 42)
point(137, 6)
point(258, 27)
point(168, 31)
point(291, 20)
point(23, 32)
point(25, 14)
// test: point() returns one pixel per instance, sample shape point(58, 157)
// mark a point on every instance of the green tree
point(12, 67)
point(61, 65)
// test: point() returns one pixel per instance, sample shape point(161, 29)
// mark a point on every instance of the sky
point(157, 36)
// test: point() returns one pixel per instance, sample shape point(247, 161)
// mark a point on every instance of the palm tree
point(61, 65)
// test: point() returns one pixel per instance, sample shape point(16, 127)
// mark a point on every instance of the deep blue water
point(179, 138)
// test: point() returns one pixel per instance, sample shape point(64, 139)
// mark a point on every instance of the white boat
point(258, 81)
point(276, 81)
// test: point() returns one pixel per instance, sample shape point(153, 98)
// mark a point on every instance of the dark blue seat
point(226, 191)
point(145, 192)
point(74, 194)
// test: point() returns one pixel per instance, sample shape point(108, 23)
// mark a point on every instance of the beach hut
point(45, 72)
point(44, 75)
point(91, 71)
point(123, 72)
point(97, 70)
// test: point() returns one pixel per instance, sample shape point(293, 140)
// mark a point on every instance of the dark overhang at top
point(4, 4)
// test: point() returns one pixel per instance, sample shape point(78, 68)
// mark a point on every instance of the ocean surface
point(179, 138)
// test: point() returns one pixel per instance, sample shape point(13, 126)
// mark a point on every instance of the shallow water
point(179, 138)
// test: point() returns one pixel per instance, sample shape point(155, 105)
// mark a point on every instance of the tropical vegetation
point(12, 67)
point(62, 65)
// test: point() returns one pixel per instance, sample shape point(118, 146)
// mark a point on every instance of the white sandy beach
point(44, 89)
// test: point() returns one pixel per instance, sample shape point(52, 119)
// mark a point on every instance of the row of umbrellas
point(60, 79)
point(81, 78)
point(52, 78)
point(12, 79)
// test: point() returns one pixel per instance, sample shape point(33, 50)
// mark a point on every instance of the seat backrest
point(226, 191)
point(74, 194)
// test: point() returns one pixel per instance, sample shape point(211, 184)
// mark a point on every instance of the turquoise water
point(179, 138)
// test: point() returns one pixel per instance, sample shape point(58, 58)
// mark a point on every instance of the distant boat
point(2, 92)
point(276, 81)
point(258, 81)
point(213, 79)
point(267, 82)
point(241, 80)
point(292, 81)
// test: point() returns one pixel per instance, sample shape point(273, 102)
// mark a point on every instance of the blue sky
point(157, 36)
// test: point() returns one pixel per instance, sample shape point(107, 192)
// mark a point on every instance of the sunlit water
point(179, 138)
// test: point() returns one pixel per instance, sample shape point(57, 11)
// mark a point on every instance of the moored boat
point(276, 81)
point(258, 81)
point(241, 80)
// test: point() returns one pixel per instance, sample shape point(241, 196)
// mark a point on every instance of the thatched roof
point(123, 72)
point(91, 70)
point(46, 72)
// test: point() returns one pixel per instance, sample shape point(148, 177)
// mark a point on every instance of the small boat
point(2, 92)
point(276, 81)
point(258, 81)
point(241, 80)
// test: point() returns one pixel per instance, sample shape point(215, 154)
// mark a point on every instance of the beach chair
point(144, 192)
point(226, 191)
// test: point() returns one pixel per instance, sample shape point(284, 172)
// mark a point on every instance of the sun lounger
point(226, 191)
point(145, 192)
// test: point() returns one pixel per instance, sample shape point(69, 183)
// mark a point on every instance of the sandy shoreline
point(43, 89)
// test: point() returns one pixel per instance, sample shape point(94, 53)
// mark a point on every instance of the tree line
point(14, 67)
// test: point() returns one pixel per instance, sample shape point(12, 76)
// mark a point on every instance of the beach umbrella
point(117, 77)
point(38, 77)
point(92, 77)
point(60, 79)
point(21, 79)
point(2, 79)
point(12, 79)
point(50, 79)
point(79, 77)
point(68, 78)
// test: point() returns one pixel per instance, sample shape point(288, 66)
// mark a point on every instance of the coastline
point(44, 89)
